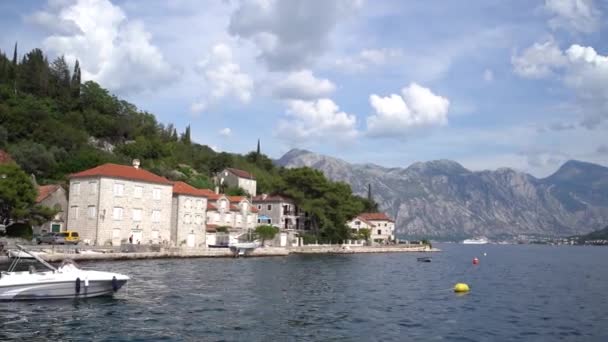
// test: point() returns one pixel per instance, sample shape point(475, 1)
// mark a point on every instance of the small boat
point(424, 259)
point(66, 281)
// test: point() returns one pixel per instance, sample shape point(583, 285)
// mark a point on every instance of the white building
point(238, 178)
point(234, 213)
point(111, 203)
point(188, 216)
point(382, 227)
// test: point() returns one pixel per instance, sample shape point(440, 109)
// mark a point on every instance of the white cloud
point(303, 85)
point(488, 75)
point(114, 51)
point(582, 70)
point(587, 75)
point(368, 58)
point(320, 119)
point(223, 78)
point(574, 15)
point(539, 60)
point(396, 114)
point(225, 132)
point(289, 34)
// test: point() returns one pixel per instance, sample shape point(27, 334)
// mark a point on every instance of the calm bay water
point(531, 293)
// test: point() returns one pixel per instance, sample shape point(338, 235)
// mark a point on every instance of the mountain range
point(441, 199)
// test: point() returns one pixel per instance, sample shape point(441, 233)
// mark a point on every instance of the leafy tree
point(235, 191)
point(186, 136)
point(266, 232)
point(34, 158)
point(17, 193)
point(364, 234)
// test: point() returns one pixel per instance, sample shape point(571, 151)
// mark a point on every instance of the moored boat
point(66, 281)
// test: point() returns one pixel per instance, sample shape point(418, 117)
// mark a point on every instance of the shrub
point(20, 230)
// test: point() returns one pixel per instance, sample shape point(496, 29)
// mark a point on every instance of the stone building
point(280, 211)
point(111, 203)
point(188, 215)
point(237, 178)
point(382, 227)
point(233, 212)
point(54, 197)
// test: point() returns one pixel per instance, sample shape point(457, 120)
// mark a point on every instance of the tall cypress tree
point(186, 136)
point(75, 82)
point(15, 55)
point(257, 152)
point(369, 193)
point(13, 72)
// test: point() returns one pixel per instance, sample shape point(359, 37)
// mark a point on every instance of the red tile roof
point(241, 173)
point(212, 228)
point(209, 194)
point(182, 188)
point(123, 172)
point(5, 158)
point(211, 206)
point(375, 217)
point(45, 190)
point(236, 198)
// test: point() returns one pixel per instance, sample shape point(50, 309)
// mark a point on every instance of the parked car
point(51, 238)
point(70, 237)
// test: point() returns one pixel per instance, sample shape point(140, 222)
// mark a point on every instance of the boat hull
point(60, 290)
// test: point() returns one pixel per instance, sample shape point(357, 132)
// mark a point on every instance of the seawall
point(60, 255)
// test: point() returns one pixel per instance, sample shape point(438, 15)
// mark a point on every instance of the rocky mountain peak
point(443, 200)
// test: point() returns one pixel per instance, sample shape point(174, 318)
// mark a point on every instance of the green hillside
point(52, 124)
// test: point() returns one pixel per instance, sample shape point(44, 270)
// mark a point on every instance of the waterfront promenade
point(59, 253)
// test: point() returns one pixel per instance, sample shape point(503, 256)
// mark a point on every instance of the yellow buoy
point(461, 287)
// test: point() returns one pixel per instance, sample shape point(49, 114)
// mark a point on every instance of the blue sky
point(488, 83)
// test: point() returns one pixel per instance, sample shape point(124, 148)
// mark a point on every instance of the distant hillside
point(601, 234)
point(444, 200)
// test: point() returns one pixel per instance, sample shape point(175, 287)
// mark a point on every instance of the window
point(117, 213)
point(358, 223)
point(155, 215)
point(245, 207)
point(136, 214)
point(119, 189)
point(138, 191)
point(379, 231)
point(198, 219)
point(156, 193)
point(91, 212)
point(270, 207)
point(188, 204)
point(199, 204)
point(76, 188)
point(75, 212)
point(223, 204)
point(259, 207)
point(93, 188)
point(187, 219)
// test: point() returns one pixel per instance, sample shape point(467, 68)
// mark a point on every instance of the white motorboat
point(66, 281)
point(476, 241)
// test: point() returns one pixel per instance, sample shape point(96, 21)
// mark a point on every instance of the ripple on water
point(518, 293)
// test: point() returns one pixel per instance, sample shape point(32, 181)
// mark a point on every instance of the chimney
point(264, 196)
point(136, 163)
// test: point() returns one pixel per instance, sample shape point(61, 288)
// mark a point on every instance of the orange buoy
point(475, 261)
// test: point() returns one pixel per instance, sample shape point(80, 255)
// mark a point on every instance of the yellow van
point(70, 237)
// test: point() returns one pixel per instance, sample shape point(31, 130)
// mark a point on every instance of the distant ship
point(476, 241)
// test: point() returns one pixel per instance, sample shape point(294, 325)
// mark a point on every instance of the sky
point(487, 83)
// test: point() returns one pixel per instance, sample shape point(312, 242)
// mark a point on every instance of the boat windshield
point(68, 264)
